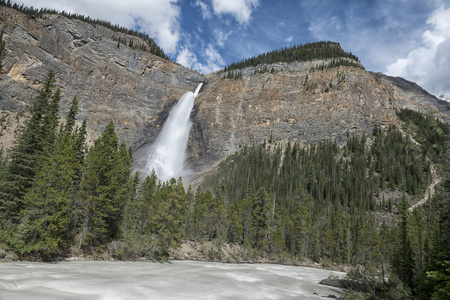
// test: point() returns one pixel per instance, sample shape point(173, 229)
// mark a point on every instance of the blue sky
point(407, 38)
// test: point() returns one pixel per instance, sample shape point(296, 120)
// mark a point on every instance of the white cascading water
point(167, 155)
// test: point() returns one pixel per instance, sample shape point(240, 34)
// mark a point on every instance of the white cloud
point(240, 9)
point(206, 11)
point(220, 37)
point(398, 38)
point(158, 18)
point(213, 60)
point(186, 58)
point(289, 39)
point(429, 63)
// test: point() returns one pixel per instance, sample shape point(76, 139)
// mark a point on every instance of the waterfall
point(167, 154)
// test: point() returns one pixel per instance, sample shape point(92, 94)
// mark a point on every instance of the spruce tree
point(104, 189)
point(45, 229)
point(47, 225)
point(260, 219)
point(404, 257)
point(34, 143)
point(188, 224)
point(137, 213)
point(168, 215)
point(71, 116)
point(235, 221)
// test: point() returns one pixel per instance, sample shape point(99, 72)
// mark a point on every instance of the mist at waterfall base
point(146, 280)
point(168, 152)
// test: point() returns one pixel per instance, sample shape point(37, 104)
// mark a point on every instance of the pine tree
point(80, 146)
point(138, 212)
point(438, 270)
point(301, 231)
point(219, 212)
point(204, 215)
point(404, 257)
point(71, 116)
point(3, 182)
point(235, 221)
point(168, 215)
point(47, 216)
point(105, 189)
point(33, 144)
point(260, 219)
point(45, 230)
point(188, 224)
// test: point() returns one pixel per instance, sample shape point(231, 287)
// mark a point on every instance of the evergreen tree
point(404, 257)
point(438, 269)
point(105, 188)
point(138, 212)
point(219, 212)
point(260, 219)
point(34, 143)
point(168, 215)
point(207, 219)
point(302, 226)
point(80, 146)
point(48, 220)
point(235, 221)
point(188, 224)
point(71, 116)
point(45, 230)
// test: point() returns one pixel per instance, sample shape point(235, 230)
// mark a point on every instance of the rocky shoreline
point(205, 251)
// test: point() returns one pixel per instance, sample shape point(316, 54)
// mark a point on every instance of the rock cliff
point(137, 89)
point(299, 102)
point(111, 81)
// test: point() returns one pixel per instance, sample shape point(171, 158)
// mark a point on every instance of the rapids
point(147, 280)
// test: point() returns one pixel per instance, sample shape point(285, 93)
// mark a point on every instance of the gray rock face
point(133, 88)
point(298, 102)
point(136, 90)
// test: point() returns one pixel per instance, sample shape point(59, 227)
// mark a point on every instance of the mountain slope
point(111, 80)
point(296, 101)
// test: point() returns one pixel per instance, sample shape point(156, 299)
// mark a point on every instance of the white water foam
point(145, 280)
point(168, 152)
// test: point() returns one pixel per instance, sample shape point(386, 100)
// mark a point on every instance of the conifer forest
point(326, 202)
point(319, 201)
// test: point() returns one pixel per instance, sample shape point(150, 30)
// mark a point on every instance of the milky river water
point(147, 280)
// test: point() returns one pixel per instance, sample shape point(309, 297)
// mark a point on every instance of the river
point(147, 280)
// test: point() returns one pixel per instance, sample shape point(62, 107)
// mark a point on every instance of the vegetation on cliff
point(149, 46)
point(319, 201)
point(310, 51)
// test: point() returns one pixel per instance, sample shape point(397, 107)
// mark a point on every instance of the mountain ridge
point(296, 101)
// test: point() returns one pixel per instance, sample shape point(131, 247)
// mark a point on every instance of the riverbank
point(205, 251)
point(208, 251)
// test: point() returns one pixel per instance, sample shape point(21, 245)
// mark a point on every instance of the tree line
point(306, 52)
point(317, 201)
point(150, 45)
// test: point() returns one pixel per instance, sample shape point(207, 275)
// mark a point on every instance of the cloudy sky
point(407, 38)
